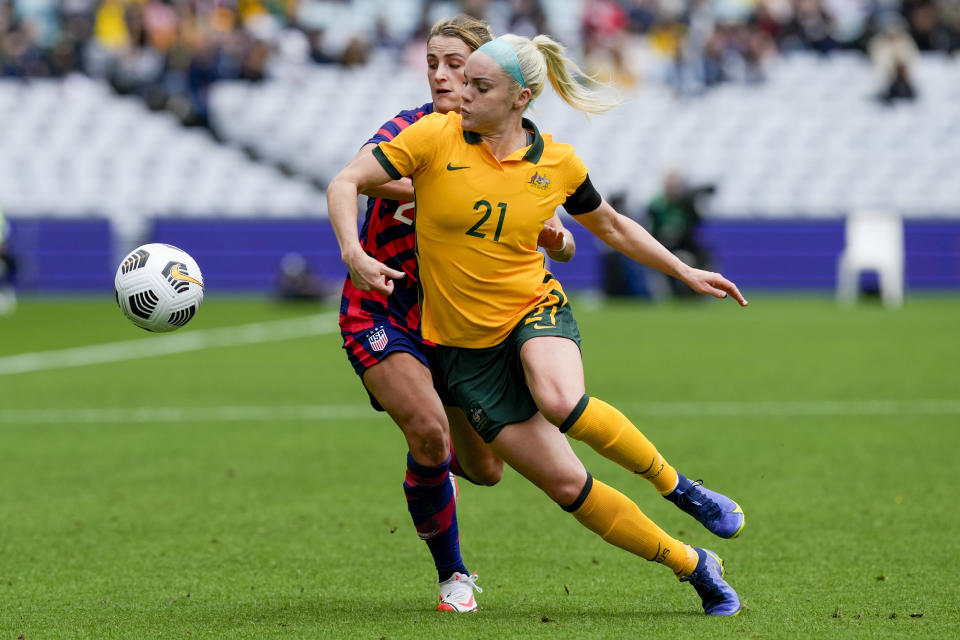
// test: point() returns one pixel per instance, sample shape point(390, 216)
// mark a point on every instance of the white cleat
point(456, 488)
point(456, 594)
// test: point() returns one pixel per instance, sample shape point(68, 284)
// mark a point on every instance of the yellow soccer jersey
point(477, 223)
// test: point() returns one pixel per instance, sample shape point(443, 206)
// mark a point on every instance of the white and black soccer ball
point(159, 287)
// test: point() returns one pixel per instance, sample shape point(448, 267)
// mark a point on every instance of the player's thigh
point(554, 374)
point(477, 458)
point(541, 454)
point(403, 386)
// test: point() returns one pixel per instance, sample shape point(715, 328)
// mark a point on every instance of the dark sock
point(432, 506)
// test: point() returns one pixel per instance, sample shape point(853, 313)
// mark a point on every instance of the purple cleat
point(718, 513)
point(719, 598)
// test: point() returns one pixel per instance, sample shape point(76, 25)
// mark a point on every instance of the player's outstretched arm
point(362, 173)
point(632, 240)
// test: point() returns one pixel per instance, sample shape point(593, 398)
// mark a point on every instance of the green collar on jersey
point(533, 153)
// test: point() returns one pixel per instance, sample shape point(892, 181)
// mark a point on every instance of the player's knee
point(487, 472)
point(427, 439)
point(565, 490)
point(556, 406)
point(429, 451)
point(567, 493)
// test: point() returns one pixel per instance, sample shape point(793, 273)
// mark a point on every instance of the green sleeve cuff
point(385, 163)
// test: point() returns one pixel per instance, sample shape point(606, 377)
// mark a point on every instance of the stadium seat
point(72, 148)
point(874, 242)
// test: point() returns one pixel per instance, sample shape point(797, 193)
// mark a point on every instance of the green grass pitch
point(246, 490)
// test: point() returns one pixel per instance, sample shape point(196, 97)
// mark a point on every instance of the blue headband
point(505, 55)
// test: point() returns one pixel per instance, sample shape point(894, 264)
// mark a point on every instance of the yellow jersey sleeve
point(413, 148)
point(576, 173)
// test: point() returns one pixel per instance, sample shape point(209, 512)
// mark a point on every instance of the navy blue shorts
point(368, 347)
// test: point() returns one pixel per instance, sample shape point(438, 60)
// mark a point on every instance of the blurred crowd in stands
point(169, 52)
point(693, 45)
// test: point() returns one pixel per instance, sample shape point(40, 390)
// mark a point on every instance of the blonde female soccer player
point(486, 181)
point(382, 340)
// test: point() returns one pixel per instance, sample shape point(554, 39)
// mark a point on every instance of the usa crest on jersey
point(378, 339)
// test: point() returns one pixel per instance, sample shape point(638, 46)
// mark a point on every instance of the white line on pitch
point(255, 333)
point(310, 413)
point(187, 415)
point(796, 408)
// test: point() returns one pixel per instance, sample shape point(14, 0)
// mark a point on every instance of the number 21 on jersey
point(486, 209)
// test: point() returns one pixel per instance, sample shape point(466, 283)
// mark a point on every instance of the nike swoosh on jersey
point(450, 167)
point(176, 275)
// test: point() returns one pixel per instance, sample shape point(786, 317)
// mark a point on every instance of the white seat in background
point(874, 242)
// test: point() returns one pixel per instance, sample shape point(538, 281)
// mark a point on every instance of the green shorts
point(489, 384)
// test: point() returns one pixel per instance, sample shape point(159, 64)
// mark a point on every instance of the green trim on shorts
point(489, 384)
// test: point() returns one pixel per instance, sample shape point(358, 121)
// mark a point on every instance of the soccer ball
point(159, 287)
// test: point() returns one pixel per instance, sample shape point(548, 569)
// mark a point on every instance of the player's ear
point(522, 99)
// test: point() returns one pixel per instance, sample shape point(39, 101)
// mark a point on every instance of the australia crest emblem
point(538, 183)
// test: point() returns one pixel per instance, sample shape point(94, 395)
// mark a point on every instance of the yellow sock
point(619, 521)
point(614, 437)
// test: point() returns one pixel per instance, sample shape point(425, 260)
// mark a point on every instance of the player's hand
point(713, 284)
point(551, 238)
point(368, 274)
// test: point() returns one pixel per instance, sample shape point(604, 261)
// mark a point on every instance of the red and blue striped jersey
point(388, 235)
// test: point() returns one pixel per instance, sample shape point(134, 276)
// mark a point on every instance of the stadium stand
point(813, 141)
point(797, 111)
point(71, 148)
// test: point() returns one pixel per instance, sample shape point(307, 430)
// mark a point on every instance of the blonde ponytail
point(543, 58)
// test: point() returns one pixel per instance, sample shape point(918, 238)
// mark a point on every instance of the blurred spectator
point(760, 51)
point(297, 282)
point(8, 269)
point(527, 18)
point(892, 52)
point(900, 86)
point(622, 277)
point(603, 32)
point(642, 15)
point(357, 53)
point(673, 218)
point(497, 13)
point(811, 28)
point(930, 25)
point(318, 53)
